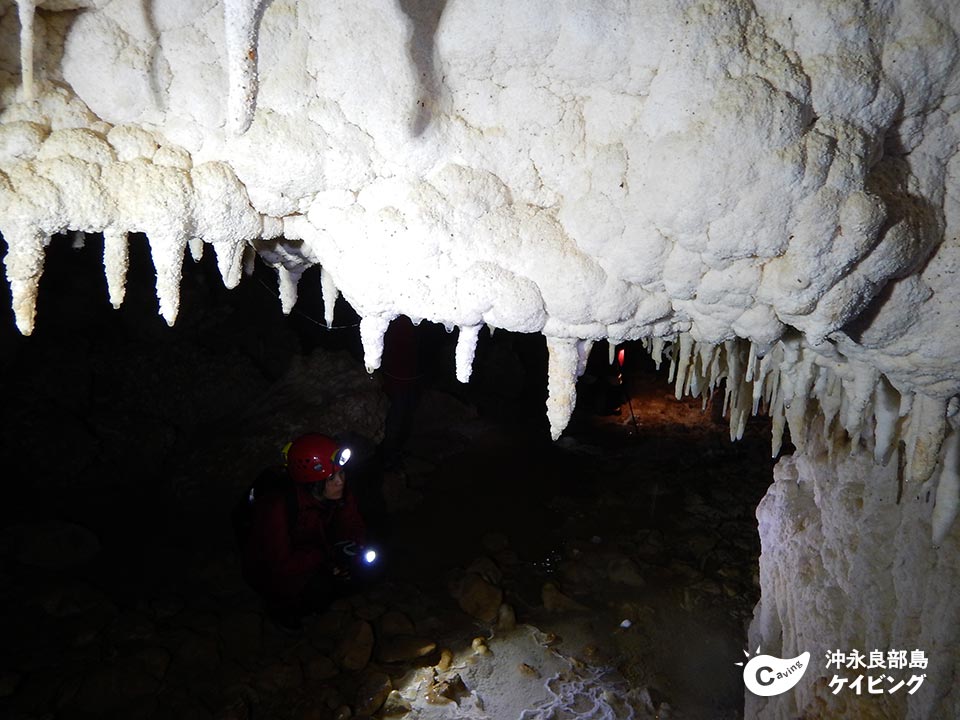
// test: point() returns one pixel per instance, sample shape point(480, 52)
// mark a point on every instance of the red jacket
point(280, 560)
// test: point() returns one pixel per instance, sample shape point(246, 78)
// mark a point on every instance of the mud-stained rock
point(506, 618)
point(372, 693)
point(446, 660)
point(355, 646)
point(318, 669)
point(369, 611)
point(487, 569)
point(579, 573)
point(328, 623)
point(402, 648)
point(623, 570)
point(479, 646)
point(396, 705)
point(556, 601)
point(476, 596)
point(394, 622)
point(280, 676)
point(447, 690)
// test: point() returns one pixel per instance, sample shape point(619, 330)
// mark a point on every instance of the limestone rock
point(355, 646)
point(319, 669)
point(624, 571)
point(487, 569)
point(447, 690)
point(476, 596)
point(400, 648)
point(394, 622)
point(506, 618)
point(395, 705)
point(280, 676)
point(372, 693)
point(556, 601)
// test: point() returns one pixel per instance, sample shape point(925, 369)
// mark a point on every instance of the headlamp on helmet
point(313, 458)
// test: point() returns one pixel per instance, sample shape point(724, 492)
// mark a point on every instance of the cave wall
point(848, 563)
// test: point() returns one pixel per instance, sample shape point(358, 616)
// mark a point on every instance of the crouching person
point(301, 518)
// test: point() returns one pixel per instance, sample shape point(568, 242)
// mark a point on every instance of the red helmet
point(314, 457)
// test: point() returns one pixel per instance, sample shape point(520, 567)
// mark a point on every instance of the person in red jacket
point(298, 552)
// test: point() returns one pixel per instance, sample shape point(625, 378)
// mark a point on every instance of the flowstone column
point(848, 564)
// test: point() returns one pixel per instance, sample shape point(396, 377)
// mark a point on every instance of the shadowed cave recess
point(627, 549)
point(640, 319)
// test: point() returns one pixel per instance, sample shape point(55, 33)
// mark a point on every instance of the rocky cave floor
point(627, 553)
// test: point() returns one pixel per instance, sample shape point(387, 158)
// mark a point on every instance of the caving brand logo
point(767, 675)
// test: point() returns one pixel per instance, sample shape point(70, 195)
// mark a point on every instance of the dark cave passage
point(126, 443)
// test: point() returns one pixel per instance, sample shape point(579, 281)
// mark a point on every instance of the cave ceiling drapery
point(766, 189)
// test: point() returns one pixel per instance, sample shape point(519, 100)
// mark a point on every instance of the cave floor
point(627, 552)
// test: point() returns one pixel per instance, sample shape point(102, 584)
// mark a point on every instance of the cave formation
point(760, 195)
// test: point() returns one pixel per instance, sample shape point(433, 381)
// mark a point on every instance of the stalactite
point(289, 280)
point(116, 262)
point(372, 330)
point(196, 248)
point(242, 28)
point(24, 264)
point(166, 250)
point(948, 487)
point(925, 433)
point(561, 382)
point(230, 262)
point(330, 293)
point(583, 355)
point(27, 10)
point(466, 349)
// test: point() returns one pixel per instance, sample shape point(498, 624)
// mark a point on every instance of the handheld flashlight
point(369, 556)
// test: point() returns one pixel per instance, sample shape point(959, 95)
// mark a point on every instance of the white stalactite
point(27, 11)
point(330, 293)
point(167, 250)
point(927, 427)
point(24, 263)
point(249, 260)
point(561, 382)
point(288, 281)
point(466, 349)
point(230, 262)
point(242, 27)
point(948, 487)
point(583, 355)
point(196, 248)
point(372, 330)
point(116, 262)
